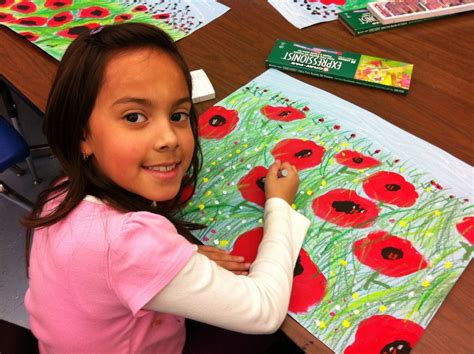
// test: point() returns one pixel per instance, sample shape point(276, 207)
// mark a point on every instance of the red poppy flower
point(164, 16)
point(140, 8)
point(30, 36)
point(73, 32)
point(217, 122)
point(251, 186)
point(32, 21)
point(302, 154)
point(354, 159)
point(94, 12)
point(345, 208)
point(24, 7)
point(391, 188)
point(247, 244)
point(285, 114)
point(60, 19)
point(309, 285)
point(122, 17)
point(186, 193)
point(6, 3)
point(390, 255)
point(466, 228)
point(57, 4)
point(6, 17)
point(385, 334)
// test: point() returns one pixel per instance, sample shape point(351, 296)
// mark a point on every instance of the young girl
point(112, 268)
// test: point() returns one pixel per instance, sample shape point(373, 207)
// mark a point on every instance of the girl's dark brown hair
point(70, 103)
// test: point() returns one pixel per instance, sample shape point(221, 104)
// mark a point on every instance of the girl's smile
point(139, 132)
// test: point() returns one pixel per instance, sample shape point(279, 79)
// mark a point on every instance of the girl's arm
point(256, 303)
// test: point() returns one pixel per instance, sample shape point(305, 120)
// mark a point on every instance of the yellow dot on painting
point(293, 206)
point(345, 144)
point(201, 206)
point(331, 161)
point(245, 145)
point(355, 295)
point(190, 203)
point(357, 149)
point(323, 182)
point(356, 180)
point(428, 233)
point(230, 155)
point(208, 193)
point(304, 139)
point(213, 163)
point(437, 212)
point(322, 325)
point(331, 273)
point(321, 143)
point(237, 151)
point(402, 169)
point(205, 179)
point(343, 262)
point(233, 101)
point(223, 243)
point(448, 265)
point(426, 283)
point(383, 308)
point(346, 323)
point(428, 189)
point(402, 223)
point(337, 148)
point(309, 192)
point(362, 170)
point(300, 129)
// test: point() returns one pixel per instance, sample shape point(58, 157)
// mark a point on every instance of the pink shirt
point(91, 274)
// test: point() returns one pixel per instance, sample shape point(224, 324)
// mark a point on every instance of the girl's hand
point(279, 186)
point(235, 264)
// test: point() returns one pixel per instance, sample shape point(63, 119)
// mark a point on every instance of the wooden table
point(439, 107)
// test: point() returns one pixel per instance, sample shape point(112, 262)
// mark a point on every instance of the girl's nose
point(166, 137)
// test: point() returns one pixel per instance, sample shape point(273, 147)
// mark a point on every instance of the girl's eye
point(179, 116)
point(135, 118)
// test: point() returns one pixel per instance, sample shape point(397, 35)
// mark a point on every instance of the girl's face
point(139, 130)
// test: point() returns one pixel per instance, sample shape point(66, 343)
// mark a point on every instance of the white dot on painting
point(320, 187)
point(219, 158)
point(336, 141)
point(249, 166)
point(293, 133)
point(208, 170)
point(216, 242)
point(233, 167)
point(245, 140)
point(216, 202)
point(228, 227)
point(337, 307)
point(411, 294)
point(429, 278)
point(222, 177)
point(227, 216)
point(260, 220)
point(241, 207)
point(224, 192)
point(356, 312)
point(301, 192)
point(317, 322)
point(219, 212)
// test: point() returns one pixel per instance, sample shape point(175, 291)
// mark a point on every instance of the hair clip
point(96, 30)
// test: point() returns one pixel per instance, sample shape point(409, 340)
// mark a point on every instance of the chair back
point(13, 148)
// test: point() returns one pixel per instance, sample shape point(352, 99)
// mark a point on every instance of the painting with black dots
point(304, 13)
point(392, 218)
point(53, 24)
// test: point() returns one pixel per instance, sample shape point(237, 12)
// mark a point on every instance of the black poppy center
point(303, 153)
point(59, 18)
point(348, 207)
point(59, 3)
point(261, 183)
point(27, 22)
point(3, 15)
point(217, 121)
point(23, 7)
point(284, 113)
point(357, 159)
point(298, 267)
point(77, 30)
point(392, 254)
point(397, 347)
point(392, 187)
point(96, 12)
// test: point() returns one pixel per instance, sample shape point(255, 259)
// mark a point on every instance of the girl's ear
point(86, 146)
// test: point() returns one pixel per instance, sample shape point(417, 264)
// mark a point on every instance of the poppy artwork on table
point(392, 222)
point(304, 13)
point(53, 24)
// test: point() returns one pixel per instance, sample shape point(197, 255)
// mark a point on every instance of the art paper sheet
point(304, 13)
point(392, 218)
point(53, 24)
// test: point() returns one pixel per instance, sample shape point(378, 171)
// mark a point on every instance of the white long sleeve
point(256, 303)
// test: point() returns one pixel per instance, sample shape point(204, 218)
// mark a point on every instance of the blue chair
point(13, 149)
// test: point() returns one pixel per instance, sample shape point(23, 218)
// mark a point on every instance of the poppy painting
point(53, 24)
point(391, 229)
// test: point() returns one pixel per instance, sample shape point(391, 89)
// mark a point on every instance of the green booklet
point(350, 67)
point(361, 21)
